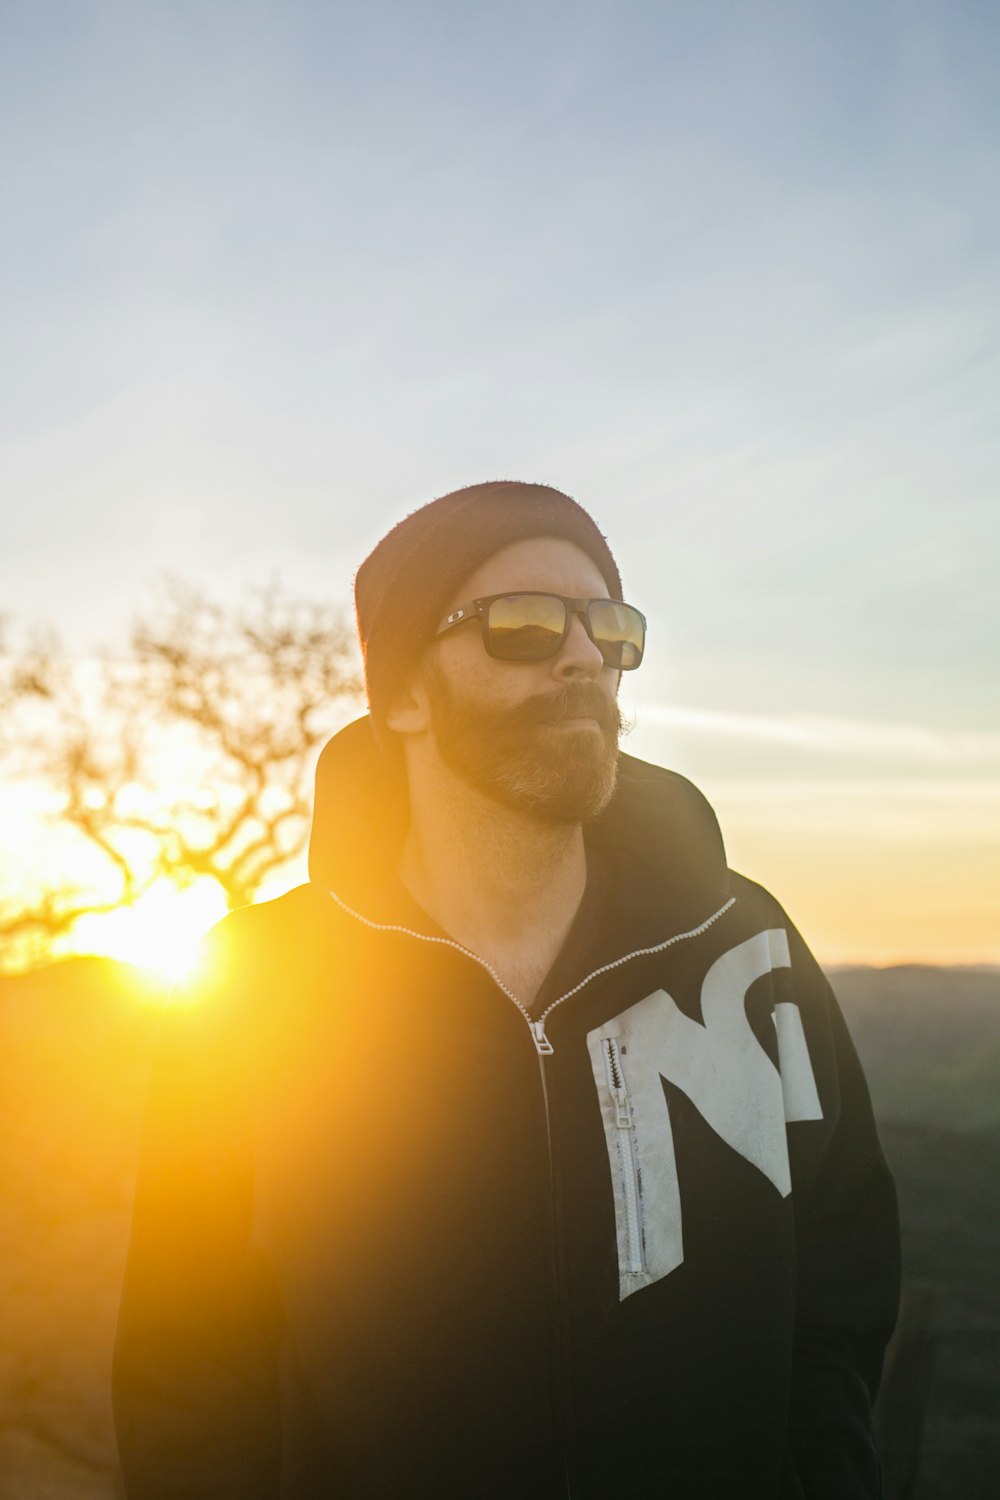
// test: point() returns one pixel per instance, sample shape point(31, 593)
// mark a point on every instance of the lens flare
point(160, 932)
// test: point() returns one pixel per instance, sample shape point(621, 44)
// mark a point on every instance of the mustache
point(574, 700)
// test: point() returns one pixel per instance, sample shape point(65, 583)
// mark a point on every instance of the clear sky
point(272, 274)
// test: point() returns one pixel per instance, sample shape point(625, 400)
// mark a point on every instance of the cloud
point(908, 743)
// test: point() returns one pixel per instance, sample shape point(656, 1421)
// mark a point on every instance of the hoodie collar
point(658, 837)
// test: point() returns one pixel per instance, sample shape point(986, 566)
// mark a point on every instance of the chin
point(565, 795)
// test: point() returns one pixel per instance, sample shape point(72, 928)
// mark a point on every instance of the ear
point(409, 712)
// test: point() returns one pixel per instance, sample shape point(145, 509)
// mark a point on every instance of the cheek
point(469, 675)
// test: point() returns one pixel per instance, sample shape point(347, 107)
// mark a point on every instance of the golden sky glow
point(882, 841)
point(884, 846)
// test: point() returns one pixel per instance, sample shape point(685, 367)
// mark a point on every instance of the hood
point(658, 831)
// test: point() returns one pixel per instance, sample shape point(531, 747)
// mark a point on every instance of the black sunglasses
point(532, 627)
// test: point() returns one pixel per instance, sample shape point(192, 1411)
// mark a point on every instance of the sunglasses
point(532, 627)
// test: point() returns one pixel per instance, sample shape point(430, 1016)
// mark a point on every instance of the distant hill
point(75, 1047)
point(929, 1040)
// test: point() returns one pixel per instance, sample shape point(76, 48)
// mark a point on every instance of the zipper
point(630, 1181)
point(563, 1398)
point(536, 1024)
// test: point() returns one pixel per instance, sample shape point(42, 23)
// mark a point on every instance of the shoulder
point(299, 914)
point(759, 910)
point(258, 957)
point(756, 900)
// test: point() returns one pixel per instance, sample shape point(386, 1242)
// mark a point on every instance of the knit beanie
point(405, 584)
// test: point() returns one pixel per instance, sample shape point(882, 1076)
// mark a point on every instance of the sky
point(274, 274)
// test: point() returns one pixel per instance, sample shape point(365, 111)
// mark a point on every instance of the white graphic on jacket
point(726, 1074)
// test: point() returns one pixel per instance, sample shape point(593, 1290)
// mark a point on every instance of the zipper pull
point(616, 1084)
point(543, 1046)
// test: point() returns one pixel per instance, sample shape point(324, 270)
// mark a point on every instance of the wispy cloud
point(910, 743)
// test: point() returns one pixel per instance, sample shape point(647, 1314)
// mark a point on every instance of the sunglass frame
point(478, 609)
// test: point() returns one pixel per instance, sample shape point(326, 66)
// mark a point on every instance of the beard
point(518, 754)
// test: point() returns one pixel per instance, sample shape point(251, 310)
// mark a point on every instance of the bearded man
point(523, 1152)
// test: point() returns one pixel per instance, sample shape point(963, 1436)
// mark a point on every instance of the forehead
point(545, 563)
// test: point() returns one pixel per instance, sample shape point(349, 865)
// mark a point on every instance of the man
point(523, 1152)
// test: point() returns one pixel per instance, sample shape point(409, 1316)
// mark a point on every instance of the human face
point(538, 737)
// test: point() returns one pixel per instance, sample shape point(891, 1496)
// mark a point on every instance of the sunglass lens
point(526, 627)
point(618, 632)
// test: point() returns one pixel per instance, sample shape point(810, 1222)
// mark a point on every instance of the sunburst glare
point(160, 932)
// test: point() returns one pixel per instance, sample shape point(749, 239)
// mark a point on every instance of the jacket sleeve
point(194, 1377)
point(847, 1234)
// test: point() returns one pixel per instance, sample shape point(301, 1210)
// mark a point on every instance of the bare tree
point(188, 755)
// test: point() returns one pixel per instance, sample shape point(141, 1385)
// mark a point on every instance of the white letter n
point(727, 1075)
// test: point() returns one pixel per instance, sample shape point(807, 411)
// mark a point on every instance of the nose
point(578, 656)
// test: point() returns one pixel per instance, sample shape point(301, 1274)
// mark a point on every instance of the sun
point(160, 932)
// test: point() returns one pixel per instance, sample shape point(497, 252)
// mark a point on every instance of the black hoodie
point(395, 1236)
